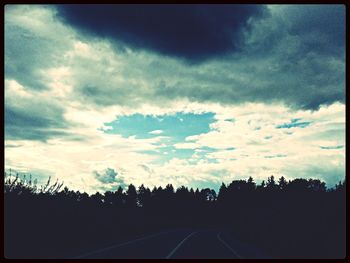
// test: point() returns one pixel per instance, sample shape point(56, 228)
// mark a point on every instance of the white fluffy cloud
point(247, 144)
point(156, 132)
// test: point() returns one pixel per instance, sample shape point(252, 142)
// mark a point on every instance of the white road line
point(179, 245)
point(119, 245)
point(230, 248)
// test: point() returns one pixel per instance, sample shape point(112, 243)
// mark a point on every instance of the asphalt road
point(179, 244)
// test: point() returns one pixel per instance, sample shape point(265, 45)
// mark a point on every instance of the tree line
point(144, 197)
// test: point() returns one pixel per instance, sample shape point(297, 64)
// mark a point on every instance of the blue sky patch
point(332, 147)
point(174, 128)
point(276, 156)
point(231, 149)
point(294, 123)
point(177, 126)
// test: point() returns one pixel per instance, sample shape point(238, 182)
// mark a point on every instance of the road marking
point(119, 245)
point(179, 245)
point(230, 248)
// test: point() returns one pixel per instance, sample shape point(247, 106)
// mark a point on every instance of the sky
point(101, 96)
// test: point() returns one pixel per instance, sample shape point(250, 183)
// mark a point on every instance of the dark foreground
point(179, 244)
point(297, 219)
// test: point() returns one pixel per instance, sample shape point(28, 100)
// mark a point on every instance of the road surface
point(179, 244)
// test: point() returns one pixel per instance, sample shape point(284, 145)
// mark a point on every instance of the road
point(179, 244)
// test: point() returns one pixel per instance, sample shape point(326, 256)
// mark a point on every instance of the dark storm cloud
point(295, 56)
point(318, 28)
point(324, 26)
point(303, 50)
point(192, 32)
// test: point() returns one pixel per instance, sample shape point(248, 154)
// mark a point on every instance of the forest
point(299, 218)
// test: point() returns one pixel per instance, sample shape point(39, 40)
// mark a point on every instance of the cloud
point(29, 34)
point(110, 180)
point(192, 32)
point(107, 176)
point(156, 132)
point(254, 155)
point(33, 116)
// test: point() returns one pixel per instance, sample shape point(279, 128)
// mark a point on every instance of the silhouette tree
point(144, 196)
point(340, 186)
point(282, 183)
point(316, 185)
point(298, 185)
point(262, 185)
point(207, 195)
point(251, 186)
point(222, 193)
point(131, 197)
point(271, 184)
point(97, 198)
